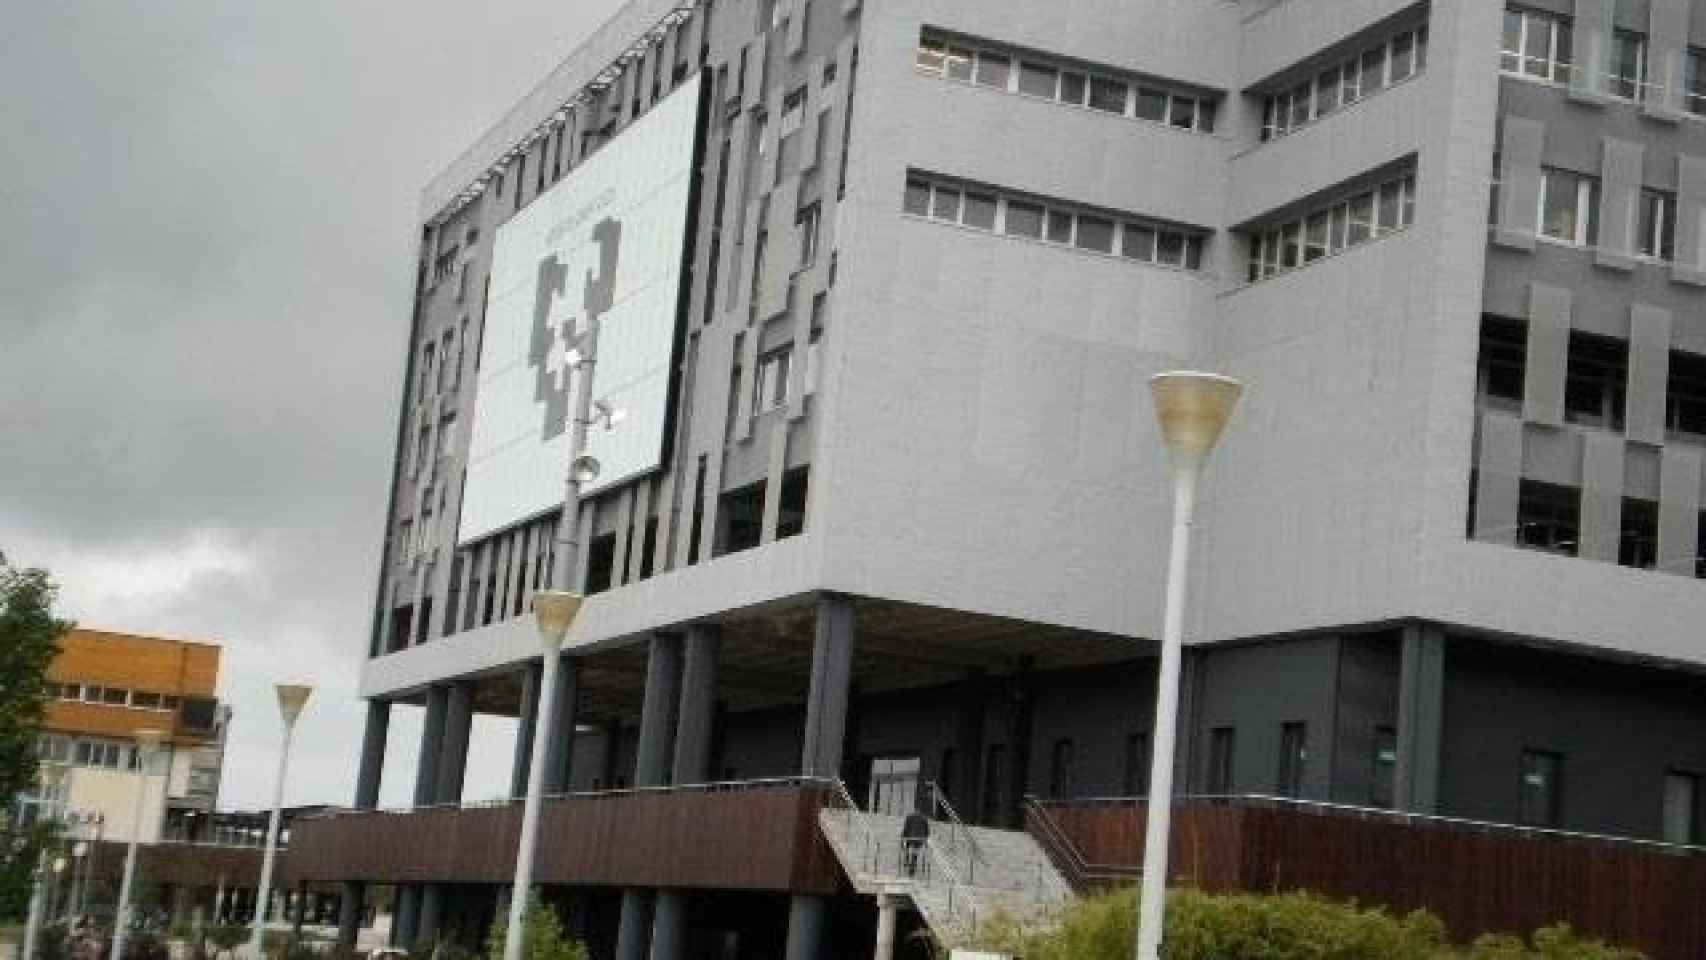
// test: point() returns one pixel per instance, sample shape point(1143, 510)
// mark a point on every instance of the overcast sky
point(207, 220)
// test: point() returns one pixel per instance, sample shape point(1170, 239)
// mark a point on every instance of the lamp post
point(292, 697)
point(147, 744)
point(52, 777)
point(1192, 409)
point(554, 611)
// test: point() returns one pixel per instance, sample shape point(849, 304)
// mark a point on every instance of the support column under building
point(453, 748)
point(350, 907)
point(1020, 711)
point(526, 716)
point(821, 749)
point(432, 745)
point(372, 769)
point(693, 728)
point(431, 913)
point(405, 912)
point(560, 725)
point(652, 758)
point(1421, 696)
point(968, 742)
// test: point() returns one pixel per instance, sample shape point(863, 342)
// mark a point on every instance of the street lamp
point(1192, 409)
point(148, 742)
point(554, 611)
point(52, 778)
point(292, 697)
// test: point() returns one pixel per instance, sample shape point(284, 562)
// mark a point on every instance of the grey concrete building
point(912, 521)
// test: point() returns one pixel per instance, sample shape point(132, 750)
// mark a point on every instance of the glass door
point(894, 784)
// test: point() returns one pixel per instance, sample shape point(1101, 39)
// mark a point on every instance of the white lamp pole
point(292, 697)
point(554, 611)
point(147, 744)
point(52, 777)
point(1192, 408)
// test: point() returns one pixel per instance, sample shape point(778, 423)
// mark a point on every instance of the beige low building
point(106, 686)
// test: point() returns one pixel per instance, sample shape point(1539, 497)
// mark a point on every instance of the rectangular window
point(1138, 242)
point(1502, 361)
point(807, 222)
point(1095, 233)
point(1681, 814)
point(1638, 536)
point(1183, 112)
point(1327, 92)
point(1569, 207)
point(145, 701)
point(1694, 82)
point(993, 69)
point(770, 387)
point(1350, 81)
point(1685, 394)
point(945, 204)
point(917, 200)
point(1391, 206)
point(1655, 227)
point(793, 111)
point(1361, 223)
point(1060, 769)
point(1548, 517)
point(1024, 219)
point(1315, 237)
point(1073, 87)
point(1541, 804)
point(1038, 80)
point(1059, 226)
point(1221, 748)
point(1596, 374)
point(1294, 754)
point(1403, 57)
point(1170, 250)
point(1135, 783)
point(1107, 94)
point(1373, 70)
point(1536, 44)
point(1628, 64)
point(1151, 104)
point(979, 211)
point(1301, 103)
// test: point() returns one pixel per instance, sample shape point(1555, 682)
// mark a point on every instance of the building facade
point(912, 517)
point(103, 688)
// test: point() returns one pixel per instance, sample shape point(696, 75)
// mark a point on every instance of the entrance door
point(894, 784)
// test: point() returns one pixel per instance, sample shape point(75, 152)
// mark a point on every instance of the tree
point(543, 937)
point(29, 639)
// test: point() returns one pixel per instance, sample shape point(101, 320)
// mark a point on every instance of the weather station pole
point(1192, 408)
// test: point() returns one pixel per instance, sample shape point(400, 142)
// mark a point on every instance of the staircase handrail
point(958, 832)
point(1065, 854)
point(855, 815)
point(959, 895)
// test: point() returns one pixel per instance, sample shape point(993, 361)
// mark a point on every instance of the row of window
point(87, 752)
point(1567, 211)
point(1061, 82)
point(1596, 374)
point(1364, 216)
point(1393, 60)
point(1540, 45)
point(111, 696)
point(1052, 222)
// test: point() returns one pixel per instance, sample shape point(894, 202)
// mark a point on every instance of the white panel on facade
point(605, 242)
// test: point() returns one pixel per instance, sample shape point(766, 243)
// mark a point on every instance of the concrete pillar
point(610, 754)
point(886, 910)
point(1022, 696)
point(560, 728)
point(453, 752)
point(404, 914)
point(432, 911)
point(350, 907)
point(1421, 694)
point(805, 927)
point(658, 712)
point(1193, 674)
point(219, 903)
point(826, 700)
point(301, 912)
point(823, 743)
point(432, 743)
point(634, 929)
point(525, 720)
point(697, 715)
point(968, 741)
point(372, 769)
point(669, 926)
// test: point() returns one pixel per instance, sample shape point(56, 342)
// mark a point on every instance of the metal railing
point(865, 849)
point(960, 839)
point(1080, 873)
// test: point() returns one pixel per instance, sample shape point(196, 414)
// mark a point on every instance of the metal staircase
point(962, 877)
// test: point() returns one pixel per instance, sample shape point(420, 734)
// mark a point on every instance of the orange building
point(106, 686)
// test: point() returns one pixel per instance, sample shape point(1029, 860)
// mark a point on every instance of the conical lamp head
point(554, 611)
point(1192, 408)
point(292, 697)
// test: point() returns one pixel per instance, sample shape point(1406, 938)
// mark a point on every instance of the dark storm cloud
point(206, 234)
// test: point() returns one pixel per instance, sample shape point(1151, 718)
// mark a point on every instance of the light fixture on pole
point(554, 611)
point(1192, 408)
point(53, 776)
point(148, 742)
point(292, 697)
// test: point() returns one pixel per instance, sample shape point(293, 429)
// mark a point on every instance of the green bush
point(543, 936)
point(1292, 926)
point(227, 937)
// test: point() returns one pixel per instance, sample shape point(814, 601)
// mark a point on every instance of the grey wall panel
point(1690, 265)
point(1521, 142)
point(797, 19)
point(1553, 455)
point(1256, 689)
point(624, 524)
point(1667, 56)
point(1679, 509)
point(1547, 354)
point(1602, 496)
point(1620, 187)
point(773, 478)
point(1649, 373)
point(1367, 702)
point(1593, 21)
point(1498, 472)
